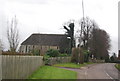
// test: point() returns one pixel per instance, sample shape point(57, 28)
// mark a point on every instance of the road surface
point(98, 71)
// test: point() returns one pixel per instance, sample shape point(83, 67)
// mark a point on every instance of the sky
point(49, 16)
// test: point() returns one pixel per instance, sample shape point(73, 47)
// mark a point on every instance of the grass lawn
point(117, 66)
point(72, 65)
point(49, 72)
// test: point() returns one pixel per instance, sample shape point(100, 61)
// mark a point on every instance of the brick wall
point(57, 60)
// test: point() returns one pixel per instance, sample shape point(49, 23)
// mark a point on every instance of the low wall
point(96, 61)
point(56, 60)
point(19, 67)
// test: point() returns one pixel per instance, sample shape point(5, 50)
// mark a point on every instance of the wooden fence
point(20, 67)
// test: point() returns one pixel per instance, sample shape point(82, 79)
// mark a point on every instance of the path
point(97, 71)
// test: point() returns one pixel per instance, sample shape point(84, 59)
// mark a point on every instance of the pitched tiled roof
point(44, 39)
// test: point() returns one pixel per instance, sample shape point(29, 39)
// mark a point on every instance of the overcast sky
point(48, 16)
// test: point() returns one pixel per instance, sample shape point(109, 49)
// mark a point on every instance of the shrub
point(63, 55)
point(77, 55)
point(36, 52)
point(86, 55)
point(46, 59)
point(52, 53)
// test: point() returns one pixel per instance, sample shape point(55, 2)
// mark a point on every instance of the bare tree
point(94, 39)
point(13, 35)
point(85, 32)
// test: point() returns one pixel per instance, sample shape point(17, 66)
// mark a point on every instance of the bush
point(52, 53)
point(36, 52)
point(46, 59)
point(63, 55)
point(77, 55)
point(86, 55)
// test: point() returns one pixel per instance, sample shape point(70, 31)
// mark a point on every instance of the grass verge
point(72, 65)
point(117, 66)
point(49, 72)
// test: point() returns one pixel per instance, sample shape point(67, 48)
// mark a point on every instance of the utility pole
point(83, 9)
point(84, 29)
point(81, 32)
point(82, 23)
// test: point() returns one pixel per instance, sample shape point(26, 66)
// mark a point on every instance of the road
point(98, 71)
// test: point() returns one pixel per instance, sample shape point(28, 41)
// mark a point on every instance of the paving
point(97, 71)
